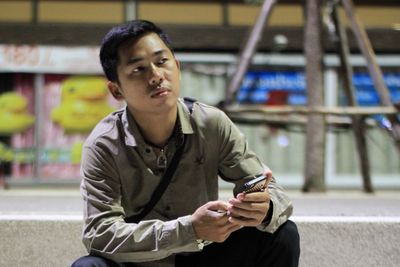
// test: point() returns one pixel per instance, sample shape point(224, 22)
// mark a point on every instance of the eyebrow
point(133, 60)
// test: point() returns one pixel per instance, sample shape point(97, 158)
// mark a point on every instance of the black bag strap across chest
point(166, 179)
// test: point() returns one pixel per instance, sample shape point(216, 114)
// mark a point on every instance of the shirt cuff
point(268, 217)
point(194, 243)
point(278, 217)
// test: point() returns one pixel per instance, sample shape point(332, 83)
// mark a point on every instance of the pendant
point(162, 160)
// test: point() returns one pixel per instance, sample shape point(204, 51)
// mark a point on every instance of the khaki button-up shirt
point(119, 174)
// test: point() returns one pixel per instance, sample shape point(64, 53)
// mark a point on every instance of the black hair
point(121, 34)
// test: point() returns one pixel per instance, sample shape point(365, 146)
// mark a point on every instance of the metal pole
point(38, 87)
point(248, 51)
point(130, 10)
point(373, 68)
point(358, 122)
point(35, 11)
point(315, 131)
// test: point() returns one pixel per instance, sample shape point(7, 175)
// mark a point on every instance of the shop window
point(49, 145)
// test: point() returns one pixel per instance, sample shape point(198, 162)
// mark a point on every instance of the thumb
point(217, 205)
point(269, 176)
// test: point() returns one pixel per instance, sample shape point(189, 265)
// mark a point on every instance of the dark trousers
point(247, 247)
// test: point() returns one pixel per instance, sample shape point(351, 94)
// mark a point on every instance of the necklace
point(162, 160)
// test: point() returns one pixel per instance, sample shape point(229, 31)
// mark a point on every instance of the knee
point(288, 238)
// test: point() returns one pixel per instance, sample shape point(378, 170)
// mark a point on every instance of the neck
point(157, 129)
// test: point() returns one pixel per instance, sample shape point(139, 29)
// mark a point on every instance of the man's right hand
point(210, 222)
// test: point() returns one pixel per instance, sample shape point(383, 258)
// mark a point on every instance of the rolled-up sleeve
point(105, 231)
point(237, 161)
point(281, 205)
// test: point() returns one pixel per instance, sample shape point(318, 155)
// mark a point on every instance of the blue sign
point(365, 90)
point(260, 87)
point(257, 87)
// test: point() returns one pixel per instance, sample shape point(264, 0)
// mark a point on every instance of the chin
point(168, 102)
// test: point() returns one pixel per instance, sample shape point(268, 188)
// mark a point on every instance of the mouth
point(160, 92)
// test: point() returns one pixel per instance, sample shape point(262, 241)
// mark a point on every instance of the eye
point(138, 69)
point(162, 61)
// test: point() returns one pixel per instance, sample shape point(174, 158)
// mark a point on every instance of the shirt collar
point(129, 125)
point(133, 136)
point(184, 117)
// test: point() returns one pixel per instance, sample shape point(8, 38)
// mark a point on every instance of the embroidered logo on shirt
point(199, 160)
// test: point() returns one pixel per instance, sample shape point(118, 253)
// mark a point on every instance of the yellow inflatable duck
point(83, 104)
point(14, 116)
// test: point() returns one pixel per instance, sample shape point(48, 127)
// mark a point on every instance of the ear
point(115, 90)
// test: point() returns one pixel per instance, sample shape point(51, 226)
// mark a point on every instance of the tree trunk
point(315, 130)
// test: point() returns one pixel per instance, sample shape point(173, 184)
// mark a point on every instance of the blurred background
point(52, 90)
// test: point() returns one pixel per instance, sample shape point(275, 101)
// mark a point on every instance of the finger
point(250, 214)
point(228, 228)
point(252, 197)
point(268, 174)
point(262, 196)
point(250, 206)
point(244, 221)
point(217, 206)
point(241, 204)
point(218, 219)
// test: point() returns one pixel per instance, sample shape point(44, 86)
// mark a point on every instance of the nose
point(156, 75)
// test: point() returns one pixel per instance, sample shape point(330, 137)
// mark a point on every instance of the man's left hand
point(249, 209)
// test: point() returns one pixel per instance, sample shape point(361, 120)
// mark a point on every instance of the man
point(129, 151)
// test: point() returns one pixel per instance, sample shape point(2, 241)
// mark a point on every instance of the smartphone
point(256, 184)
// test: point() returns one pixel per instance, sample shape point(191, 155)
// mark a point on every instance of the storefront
point(54, 95)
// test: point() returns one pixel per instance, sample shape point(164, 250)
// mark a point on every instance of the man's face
point(149, 76)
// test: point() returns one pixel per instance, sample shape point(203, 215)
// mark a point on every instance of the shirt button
point(168, 208)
